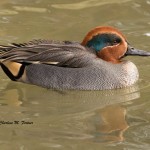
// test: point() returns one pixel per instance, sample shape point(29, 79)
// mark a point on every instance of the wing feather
point(68, 54)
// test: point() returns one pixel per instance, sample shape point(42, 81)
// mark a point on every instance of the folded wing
point(63, 54)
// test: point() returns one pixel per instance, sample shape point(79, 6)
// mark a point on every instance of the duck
point(96, 63)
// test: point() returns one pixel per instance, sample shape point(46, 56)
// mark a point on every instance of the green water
point(75, 120)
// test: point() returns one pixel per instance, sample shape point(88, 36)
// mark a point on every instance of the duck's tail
point(12, 69)
point(3, 50)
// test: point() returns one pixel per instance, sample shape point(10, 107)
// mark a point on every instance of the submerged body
point(95, 64)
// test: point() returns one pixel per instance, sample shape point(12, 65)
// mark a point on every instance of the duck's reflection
point(101, 112)
point(110, 123)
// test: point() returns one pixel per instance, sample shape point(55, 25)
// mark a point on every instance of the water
point(66, 120)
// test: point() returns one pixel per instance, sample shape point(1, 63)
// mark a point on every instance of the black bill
point(133, 51)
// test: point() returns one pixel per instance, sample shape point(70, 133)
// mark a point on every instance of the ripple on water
point(86, 4)
point(8, 12)
point(30, 9)
point(147, 34)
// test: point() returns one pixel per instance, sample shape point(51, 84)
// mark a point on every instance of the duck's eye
point(115, 42)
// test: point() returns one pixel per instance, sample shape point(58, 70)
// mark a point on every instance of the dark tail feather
point(4, 49)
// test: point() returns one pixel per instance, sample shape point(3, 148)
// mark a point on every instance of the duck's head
point(110, 44)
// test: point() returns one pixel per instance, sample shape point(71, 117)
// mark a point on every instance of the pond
point(32, 117)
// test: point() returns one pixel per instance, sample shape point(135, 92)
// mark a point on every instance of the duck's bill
point(134, 51)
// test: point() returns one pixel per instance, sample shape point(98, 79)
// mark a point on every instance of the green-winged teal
point(95, 64)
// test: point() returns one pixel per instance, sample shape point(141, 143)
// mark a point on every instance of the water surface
point(66, 120)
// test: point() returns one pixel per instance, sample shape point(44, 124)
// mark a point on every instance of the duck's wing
point(68, 54)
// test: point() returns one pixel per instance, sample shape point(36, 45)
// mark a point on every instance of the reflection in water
point(110, 124)
point(11, 98)
point(71, 115)
point(86, 4)
point(82, 100)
